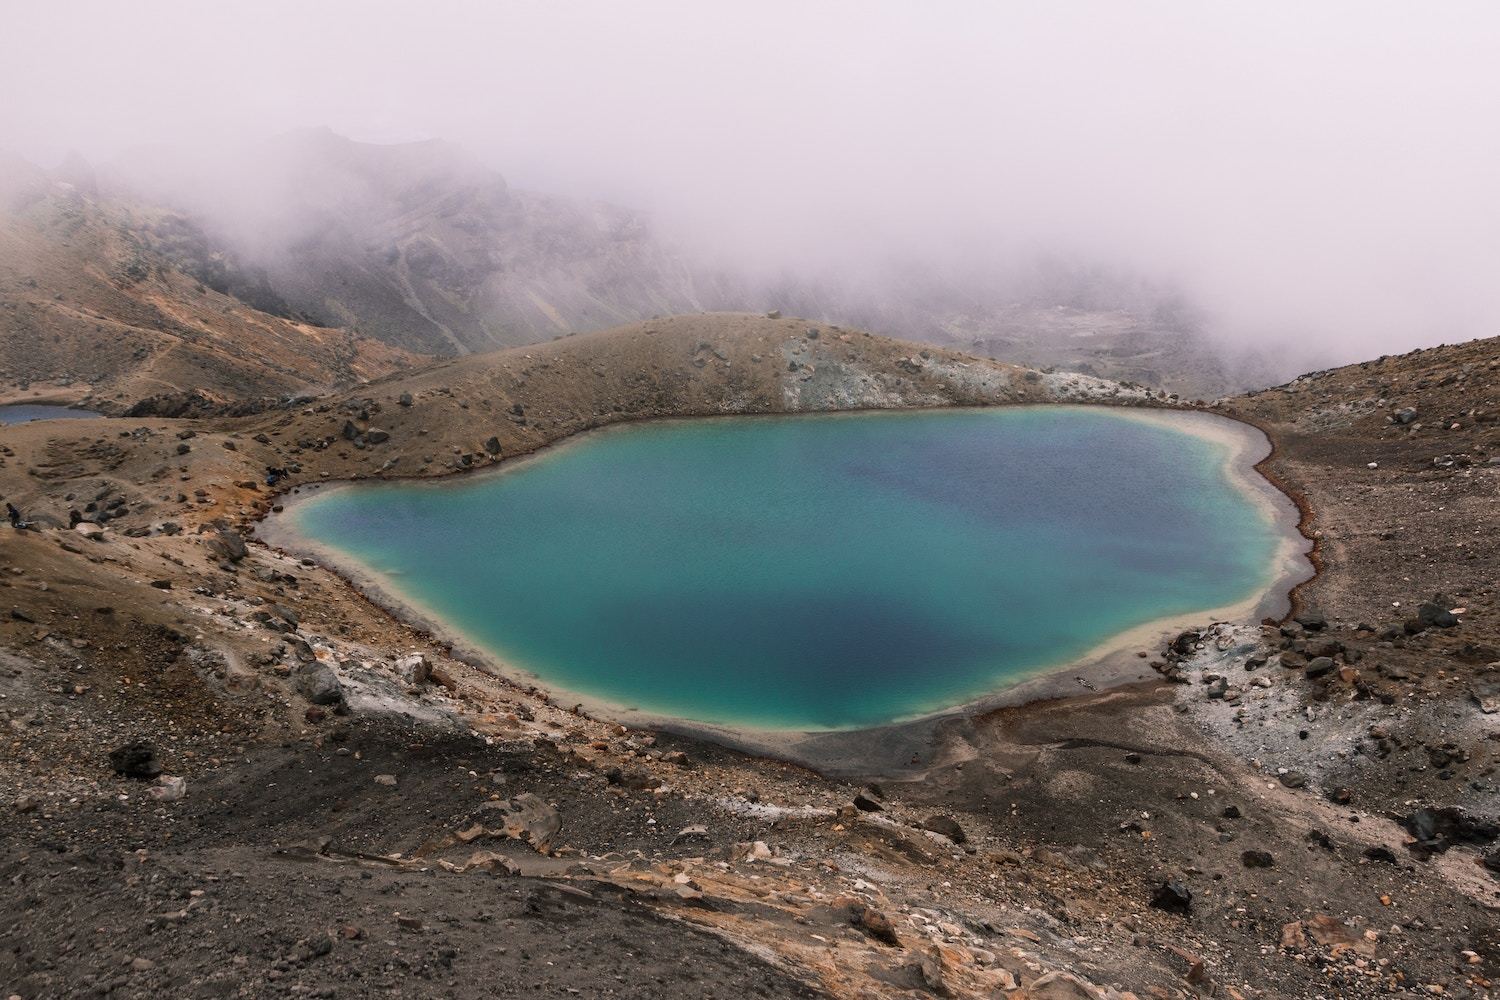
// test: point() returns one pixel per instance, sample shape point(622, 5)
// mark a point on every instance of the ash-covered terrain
point(226, 773)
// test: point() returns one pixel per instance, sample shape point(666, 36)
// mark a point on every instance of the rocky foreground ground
point(226, 774)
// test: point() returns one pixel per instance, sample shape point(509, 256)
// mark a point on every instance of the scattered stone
point(1318, 666)
point(945, 826)
point(1435, 614)
point(1313, 621)
point(1293, 936)
point(1173, 896)
point(413, 669)
point(876, 924)
point(753, 851)
point(227, 544)
point(136, 760)
point(489, 861)
point(1257, 859)
point(168, 789)
point(866, 802)
point(1331, 933)
point(929, 967)
point(1293, 779)
point(1061, 986)
point(388, 780)
point(637, 778)
point(1435, 830)
point(528, 819)
point(319, 684)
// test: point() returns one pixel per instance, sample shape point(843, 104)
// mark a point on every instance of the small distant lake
point(24, 413)
point(820, 571)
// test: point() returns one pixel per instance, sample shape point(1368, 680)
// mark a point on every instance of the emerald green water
point(817, 571)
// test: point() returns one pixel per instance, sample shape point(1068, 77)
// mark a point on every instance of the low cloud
point(1314, 176)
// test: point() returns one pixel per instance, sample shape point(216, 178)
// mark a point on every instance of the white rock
point(168, 789)
point(413, 668)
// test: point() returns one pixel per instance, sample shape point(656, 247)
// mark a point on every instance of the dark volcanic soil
point(251, 887)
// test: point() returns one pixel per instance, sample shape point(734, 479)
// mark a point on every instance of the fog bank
point(1314, 176)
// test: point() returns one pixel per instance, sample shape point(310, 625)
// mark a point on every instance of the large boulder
point(1435, 614)
point(227, 544)
point(413, 669)
point(945, 826)
point(319, 684)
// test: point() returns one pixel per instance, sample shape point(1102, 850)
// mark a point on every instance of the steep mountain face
point(314, 260)
point(422, 246)
point(91, 307)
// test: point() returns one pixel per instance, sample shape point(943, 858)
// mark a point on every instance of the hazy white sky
point(1308, 170)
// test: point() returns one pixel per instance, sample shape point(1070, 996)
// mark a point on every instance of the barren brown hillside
point(87, 311)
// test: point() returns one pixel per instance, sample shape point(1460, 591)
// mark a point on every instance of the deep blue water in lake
point(820, 571)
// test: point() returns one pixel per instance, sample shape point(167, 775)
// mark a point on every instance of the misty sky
point(1326, 171)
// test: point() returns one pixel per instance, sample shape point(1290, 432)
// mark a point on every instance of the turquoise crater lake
point(821, 571)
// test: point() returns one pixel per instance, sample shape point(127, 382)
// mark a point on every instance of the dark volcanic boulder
point(1173, 896)
point(136, 760)
point(1439, 828)
point(319, 684)
point(947, 826)
point(1319, 665)
point(1435, 614)
point(1313, 621)
point(228, 544)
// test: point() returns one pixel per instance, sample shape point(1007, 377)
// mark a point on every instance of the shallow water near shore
point(817, 572)
point(25, 413)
